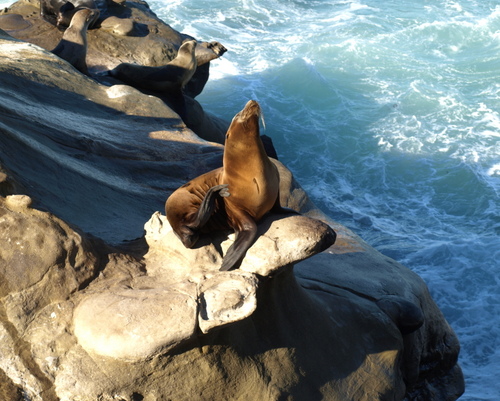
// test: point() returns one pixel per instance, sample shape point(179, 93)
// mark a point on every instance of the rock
point(277, 246)
point(13, 22)
point(18, 202)
point(118, 26)
point(43, 260)
point(406, 301)
point(184, 292)
point(226, 298)
point(130, 33)
point(132, 324)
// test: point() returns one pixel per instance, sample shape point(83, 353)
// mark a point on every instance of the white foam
point(494, 171)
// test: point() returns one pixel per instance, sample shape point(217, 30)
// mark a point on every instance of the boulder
point(100, 301)
point(183, 292)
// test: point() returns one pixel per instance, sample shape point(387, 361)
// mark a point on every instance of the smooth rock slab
point(282, 241)
point(132, 324)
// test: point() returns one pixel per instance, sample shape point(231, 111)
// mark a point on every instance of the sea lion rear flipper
point(207, 206)
point(245, 236)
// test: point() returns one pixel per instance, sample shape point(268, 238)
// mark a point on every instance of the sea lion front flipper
point(246, 232)
point(207, 206)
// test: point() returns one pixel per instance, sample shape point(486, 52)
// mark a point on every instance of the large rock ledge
point(146, 319)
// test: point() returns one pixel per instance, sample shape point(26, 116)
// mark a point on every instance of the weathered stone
point(282, 241)
point(18, 202)
point(42, 260)
point(154, 314)
point(119, 26)
point(132, 324)
point(226, 298)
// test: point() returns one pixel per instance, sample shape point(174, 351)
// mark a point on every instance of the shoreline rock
point(81, 319)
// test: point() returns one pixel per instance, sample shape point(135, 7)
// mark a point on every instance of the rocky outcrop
point(183, 292)
point(112, 41)
point(146, 319)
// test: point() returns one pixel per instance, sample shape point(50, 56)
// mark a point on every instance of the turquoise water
point(388, 115)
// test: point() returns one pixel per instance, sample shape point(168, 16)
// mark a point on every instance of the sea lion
point(235, 196)
point(167, 78)
point(73, 45)
point(166, 81)
point(60, 12)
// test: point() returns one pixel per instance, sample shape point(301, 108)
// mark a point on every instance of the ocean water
point(388, 115)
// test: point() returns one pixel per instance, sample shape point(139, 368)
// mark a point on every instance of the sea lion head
point(86, 16)
point(68, 11)
point(179, 215)
point(187, 236)
point(246, 122)
point(187, 47)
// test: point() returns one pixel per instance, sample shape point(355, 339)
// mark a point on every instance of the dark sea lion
point(73, 45)
point(235, 196)
point(60, 12)
point(166, 81)
point(167, 78)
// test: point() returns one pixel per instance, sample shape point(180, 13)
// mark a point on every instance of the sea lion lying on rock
point(167, 78)
point(235, 196)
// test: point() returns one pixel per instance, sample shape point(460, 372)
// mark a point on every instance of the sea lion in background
point(167, 81)
point(235, 196)
point(73, 45)
point(167, 78)
point(60, 12)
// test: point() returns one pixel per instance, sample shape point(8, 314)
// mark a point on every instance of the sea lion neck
point(245, 125)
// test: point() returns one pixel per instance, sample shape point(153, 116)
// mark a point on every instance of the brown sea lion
point(167, 78)
point(235, 196)
point(73, 45)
